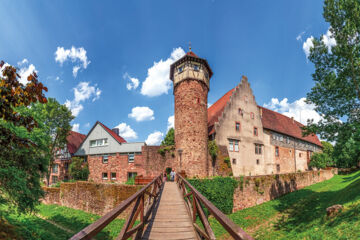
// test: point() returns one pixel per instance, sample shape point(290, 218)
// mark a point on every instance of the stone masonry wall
point(90, 197)
point(255, 190)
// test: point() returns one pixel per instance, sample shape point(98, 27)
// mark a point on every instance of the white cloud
point(24, 61)
point(329, 40)
point(209, 105)
point(308, 44)
point(299, 37)
point(126, 131)
point(76, 127)
point(87, 125)
point(299, 109)
point(154, 138)
point(133, 83)
point(142, 114)
point(76, 55)
point(157, 81)
point(25, 70)
point(171, 122)
point(83, 91)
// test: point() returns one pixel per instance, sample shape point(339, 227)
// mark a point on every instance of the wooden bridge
point(165, 210)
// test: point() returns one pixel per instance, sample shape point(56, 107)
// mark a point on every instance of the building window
point(132, 175)
point(278, 167)
point(98, 142)
point(104, 175)
point(252, 115)
point(105, 159)
point(257, 161)
point(255, 131)
point(231, 145)
point(196, 67)
point(258, 149)
point(234, 161)
point(180, 69)
point(287, 140)
point(236, 146)
point(276, 151)
point(281, 138)
point(131, 157)
point(66, 166)
point(55, 168)
point(54, 179)
point(240, 111)
point(237, 126)
point(300, 154)
point(85, 159)
point(113, 175)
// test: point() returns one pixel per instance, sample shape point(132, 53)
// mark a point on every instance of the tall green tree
point(336, 94)
point(22, 161)
point(56, 120)
point(169, 139)
point(79, 170)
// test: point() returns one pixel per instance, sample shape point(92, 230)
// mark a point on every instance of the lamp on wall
point(180, 152)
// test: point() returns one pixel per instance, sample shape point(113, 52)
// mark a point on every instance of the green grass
point(302, 214)
point(33, 227)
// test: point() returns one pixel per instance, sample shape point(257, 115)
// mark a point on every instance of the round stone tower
point(191, 77)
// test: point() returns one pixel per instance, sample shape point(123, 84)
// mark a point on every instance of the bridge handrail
point(139, 208)
point(195, 209)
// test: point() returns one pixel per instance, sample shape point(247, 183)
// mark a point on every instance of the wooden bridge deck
point(170, 219)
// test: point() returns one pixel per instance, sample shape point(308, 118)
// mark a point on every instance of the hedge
point(218, 190)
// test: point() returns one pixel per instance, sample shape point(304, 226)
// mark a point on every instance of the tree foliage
point(169, 139)
point(22, 158)
point(336, 94)
point(79, 170)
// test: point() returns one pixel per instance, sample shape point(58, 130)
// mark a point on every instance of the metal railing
point(194, 201)
point(141, 208)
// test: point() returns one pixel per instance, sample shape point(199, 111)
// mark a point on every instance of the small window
point(113, 175)
point(274, 137)
point(300, 154)
point(180, 69)
point(131, 157)
point(257, 161)
point(85, 159)
point(104, 175)
point(234, 161)
point(258, 149)
point(237, 126)
point(276, 151)
point(196, 67)
point(252, 115)
point(55, 168)
point(255, 131)
point(281, 138)
point(236, 146)
point(278, 167)
point(66, 166)
point(54, 179)
point(98, 142)
point(287, 140)
point(105, 159)
point(240, 111)
point(231, 145)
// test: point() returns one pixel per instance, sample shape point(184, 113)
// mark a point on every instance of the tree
point(21, 143)
point(213, 151)
point(56, 119)
point(336, 94)
point(169, 139)
point(79, 170)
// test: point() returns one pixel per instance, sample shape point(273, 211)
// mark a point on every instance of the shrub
point(79, 170)
point(320, 160)
point(130, 181)
point(218, 190)
point(227, 161)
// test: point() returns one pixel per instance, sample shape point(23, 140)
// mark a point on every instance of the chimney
point(115, 130)
point(260, 112)
point(292, 118)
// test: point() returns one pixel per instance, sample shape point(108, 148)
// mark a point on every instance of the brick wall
point(90, 197)
point(259, 189)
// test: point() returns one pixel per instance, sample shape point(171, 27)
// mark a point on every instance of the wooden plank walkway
point(170, 219)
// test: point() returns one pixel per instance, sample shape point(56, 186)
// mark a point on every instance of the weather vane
point(189, 46)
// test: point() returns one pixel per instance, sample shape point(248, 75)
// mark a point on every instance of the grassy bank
point(302, 214)
point(52, 222)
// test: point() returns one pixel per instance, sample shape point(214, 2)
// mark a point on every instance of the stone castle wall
point(97, 198)
point(255, 190)
point(191, 132)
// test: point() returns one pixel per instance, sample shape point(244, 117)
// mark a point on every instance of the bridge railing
point(194, 201)
point(141, 208)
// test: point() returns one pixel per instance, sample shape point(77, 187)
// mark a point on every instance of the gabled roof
point(74, 139)
point(271, 120)
point(113, 134)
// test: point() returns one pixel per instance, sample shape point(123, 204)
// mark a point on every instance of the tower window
point(236, 146)
point(257, 161)
point(237, 126)
point(276, 151)
point(234, 161)
point(196, 67)
point(258, 149)
point(240, 111)
point(233, 145)
point(255, 131)
point(252, 115)
point(278, 167)
point(180, 69)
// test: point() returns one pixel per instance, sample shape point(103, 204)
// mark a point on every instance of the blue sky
point(91, 54)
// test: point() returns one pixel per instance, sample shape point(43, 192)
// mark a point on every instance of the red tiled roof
point(271, 120)
point(117, 137)
point(74, 139)
point(190, 53)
